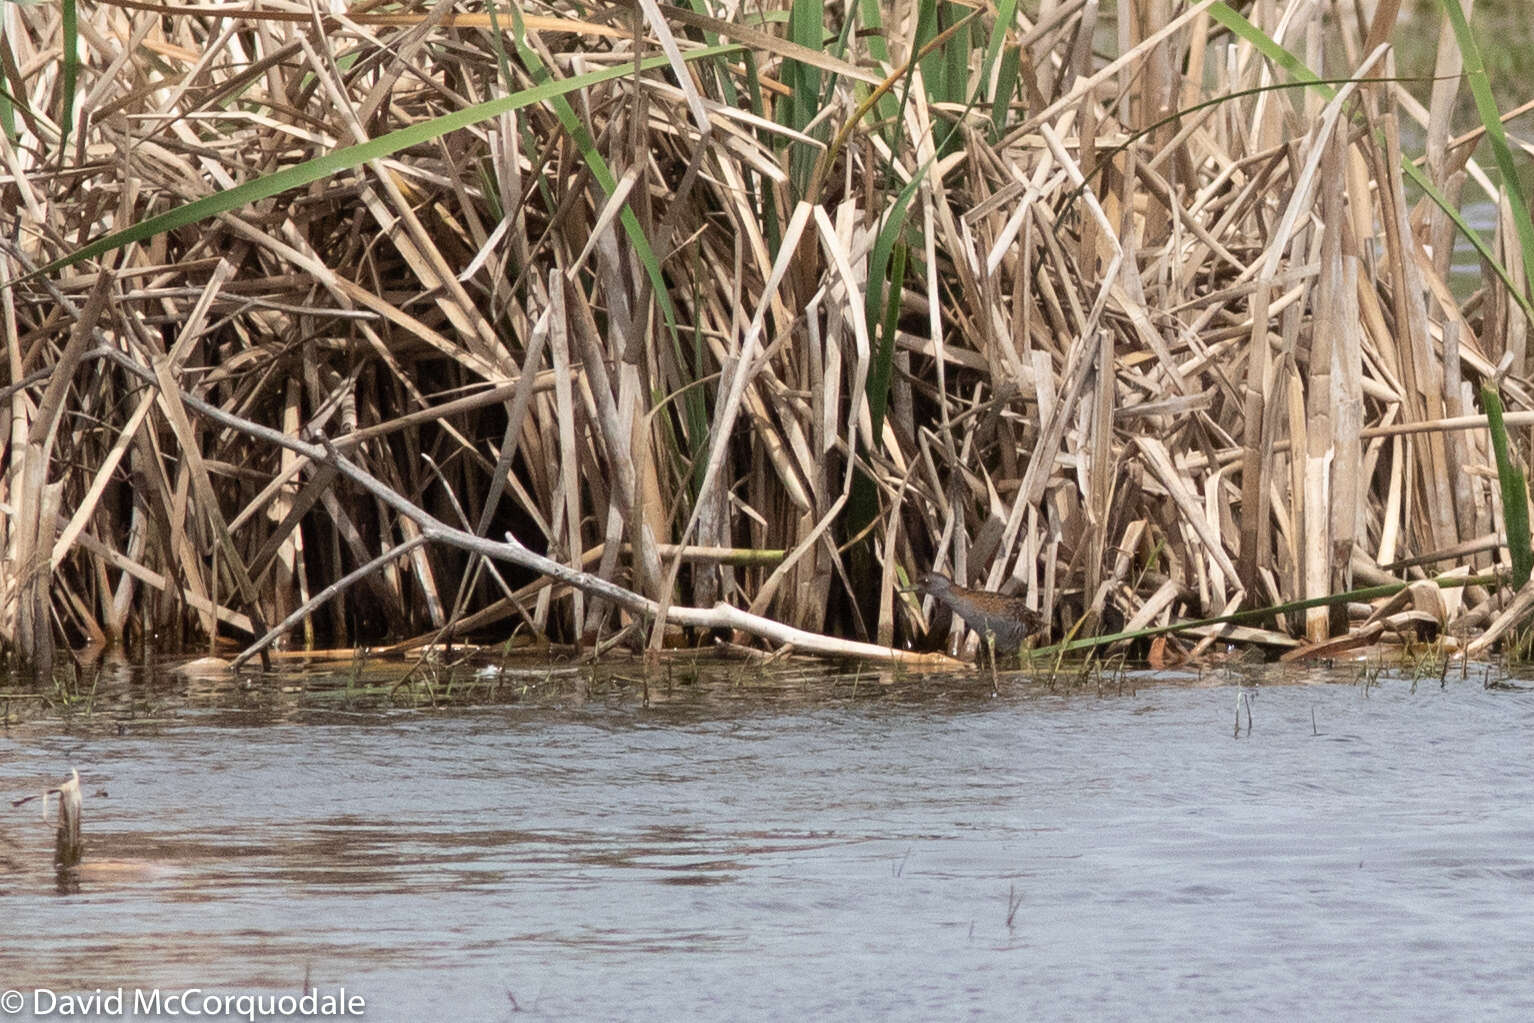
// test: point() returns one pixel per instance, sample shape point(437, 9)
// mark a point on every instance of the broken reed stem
point(69, 846)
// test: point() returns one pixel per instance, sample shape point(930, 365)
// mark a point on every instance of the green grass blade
point(7, 102)
point(599, 168)
point(882, 369)
point(1486, 106)
point(502, 61)
point(352, 156)
point(805, 27)
point(71, 31)
point(1265, 45)
point(1515, 491)
point(956, 58)
point(933, 66)
point(1006, 81)
point(1306, 77)
point(871, 16)
point(881, 303)
point(695, 403)
point(1010, 60)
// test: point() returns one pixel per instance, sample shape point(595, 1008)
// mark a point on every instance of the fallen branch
point(434, 530)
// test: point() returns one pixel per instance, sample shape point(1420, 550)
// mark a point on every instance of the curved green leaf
point(351, 156)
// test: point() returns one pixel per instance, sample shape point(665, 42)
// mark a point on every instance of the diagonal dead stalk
point(433, 530)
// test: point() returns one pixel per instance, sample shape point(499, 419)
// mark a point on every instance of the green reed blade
point(1515, 491)
point(1306, 77)
point(70, 28)
point(1491, 118)
point(353, 156)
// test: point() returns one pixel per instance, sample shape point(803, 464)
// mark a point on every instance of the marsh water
point(734, 842)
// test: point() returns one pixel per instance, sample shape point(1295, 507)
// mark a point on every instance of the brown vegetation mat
point(1134, 368)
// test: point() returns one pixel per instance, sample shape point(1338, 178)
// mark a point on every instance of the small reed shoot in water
point(1014, 903)
point(1244, 699)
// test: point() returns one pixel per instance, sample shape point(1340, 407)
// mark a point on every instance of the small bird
point(1003, 621)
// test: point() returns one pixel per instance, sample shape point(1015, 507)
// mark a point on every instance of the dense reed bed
point(308, 311)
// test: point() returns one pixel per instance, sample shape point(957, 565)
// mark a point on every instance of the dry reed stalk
point(1129, 365)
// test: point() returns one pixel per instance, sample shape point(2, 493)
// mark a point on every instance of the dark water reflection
point(793, 845)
